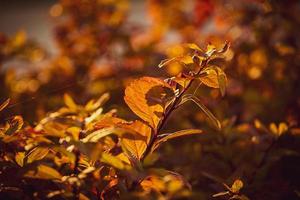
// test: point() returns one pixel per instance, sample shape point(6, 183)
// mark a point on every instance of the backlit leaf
point(136, 138)
point(20, 158)
point(37, 153)
point(185, 59)
point(70, 102)
point(214, 77)
point(112, 160)
point(98, 134)
point(236, 186)
point(146, 97)
point(193, 46)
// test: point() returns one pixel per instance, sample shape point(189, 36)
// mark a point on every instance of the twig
point(170, 109)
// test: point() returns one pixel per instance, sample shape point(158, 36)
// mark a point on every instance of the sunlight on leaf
point(237, 186)
point(37, 153)
point(149, 108)
point(136, 138)
point(70, 102)
point(112, 160)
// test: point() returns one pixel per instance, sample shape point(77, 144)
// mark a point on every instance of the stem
point(170, 109)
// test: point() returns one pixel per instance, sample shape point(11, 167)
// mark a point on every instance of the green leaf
point(4, 104)
point(214, 121)
point(166, 137)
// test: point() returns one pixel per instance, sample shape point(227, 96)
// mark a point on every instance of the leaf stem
point(171, 108)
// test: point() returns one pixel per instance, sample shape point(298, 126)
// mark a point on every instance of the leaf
point(38, 153)
point(44, 172)
point(214, 121)
point(19, 158)
point(69, 102)
point(166, 137)
point(146, 97)
point(282, 127)
point(214, 77)
point(14, 125)
point(4, 104)
point(184, 59)
point(237, 186)
point(112, 160)
point(193, 46)
point(96, 135)
point(222, 82)
point(136, 138)
point(92, 105)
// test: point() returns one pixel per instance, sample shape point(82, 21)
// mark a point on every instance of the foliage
point(60, 139)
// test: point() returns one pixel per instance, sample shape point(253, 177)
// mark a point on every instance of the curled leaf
point(14, 125)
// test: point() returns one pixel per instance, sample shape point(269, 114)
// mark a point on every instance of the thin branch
point(171, 108)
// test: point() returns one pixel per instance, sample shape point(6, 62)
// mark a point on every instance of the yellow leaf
point(20, 158)
point(146, 97)
point(215, 78)
point(236, 186)
point(112, 160)
point(14, 125)
point(98, 134)
point(282, 128)
point(193, 46)
point(185, 59)
point(37, 153)
point(69, 102)
point(44, 172)
point(136, 138)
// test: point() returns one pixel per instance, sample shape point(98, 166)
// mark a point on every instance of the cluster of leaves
point(84, 152)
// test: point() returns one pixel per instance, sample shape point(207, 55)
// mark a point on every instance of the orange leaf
point(136, 138)
point(146, 97)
